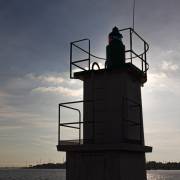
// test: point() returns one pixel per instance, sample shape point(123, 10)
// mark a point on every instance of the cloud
point(8, 127)
point(55, 83)
point(156, 80)
point(54, 79)
point(4, 94)
point(59, 90)
point(169, 66)
point(166, 73)
point(34, 39)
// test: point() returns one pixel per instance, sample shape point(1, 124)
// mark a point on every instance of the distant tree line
point(49, 166)
point(153, 165)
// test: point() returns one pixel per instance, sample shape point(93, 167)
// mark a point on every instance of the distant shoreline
point(49, 166)
point(151, 165)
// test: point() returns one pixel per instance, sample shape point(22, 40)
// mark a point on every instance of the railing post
point(89, 55)
point(59, 125)
point(142, 63)
point(79, 128)
point(71, 60)
point(131, 45)
point(145, 56)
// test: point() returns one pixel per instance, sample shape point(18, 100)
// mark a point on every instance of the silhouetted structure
point(110, 142)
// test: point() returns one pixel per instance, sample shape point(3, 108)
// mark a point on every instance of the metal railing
point(69, 124)
point(75, 63)
point(78, 125)
point(128, 105)
point(142, 56)
point(134, 56)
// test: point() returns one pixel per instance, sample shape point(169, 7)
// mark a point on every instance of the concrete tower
point(111, 137)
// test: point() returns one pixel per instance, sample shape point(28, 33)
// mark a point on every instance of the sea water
point(32, 174)
point(59, 174)
point(163, 175)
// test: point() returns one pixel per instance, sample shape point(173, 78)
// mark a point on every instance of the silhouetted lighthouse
point(110, 143)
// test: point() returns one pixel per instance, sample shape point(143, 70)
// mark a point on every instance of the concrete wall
point(116, 108)
point(112, 165)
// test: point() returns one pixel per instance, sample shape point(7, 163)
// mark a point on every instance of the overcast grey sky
point(34, 56)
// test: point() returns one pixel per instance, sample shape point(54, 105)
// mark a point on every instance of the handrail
point(133, 54)
point(74, 102)
point(85, 39)
point(59, 121)
point(75, 62)
point(78, 124)
point(70, 124)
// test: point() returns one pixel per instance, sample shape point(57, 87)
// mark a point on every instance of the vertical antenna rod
point(134, 12)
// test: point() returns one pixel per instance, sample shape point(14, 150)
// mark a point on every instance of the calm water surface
point(32, 174)
point(56, 174)
point(163, 175)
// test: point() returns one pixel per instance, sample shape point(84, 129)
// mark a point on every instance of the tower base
point(106, 164)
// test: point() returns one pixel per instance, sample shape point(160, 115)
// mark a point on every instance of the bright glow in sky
point(34, 56)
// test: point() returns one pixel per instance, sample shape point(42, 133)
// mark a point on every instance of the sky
point(34, 71)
